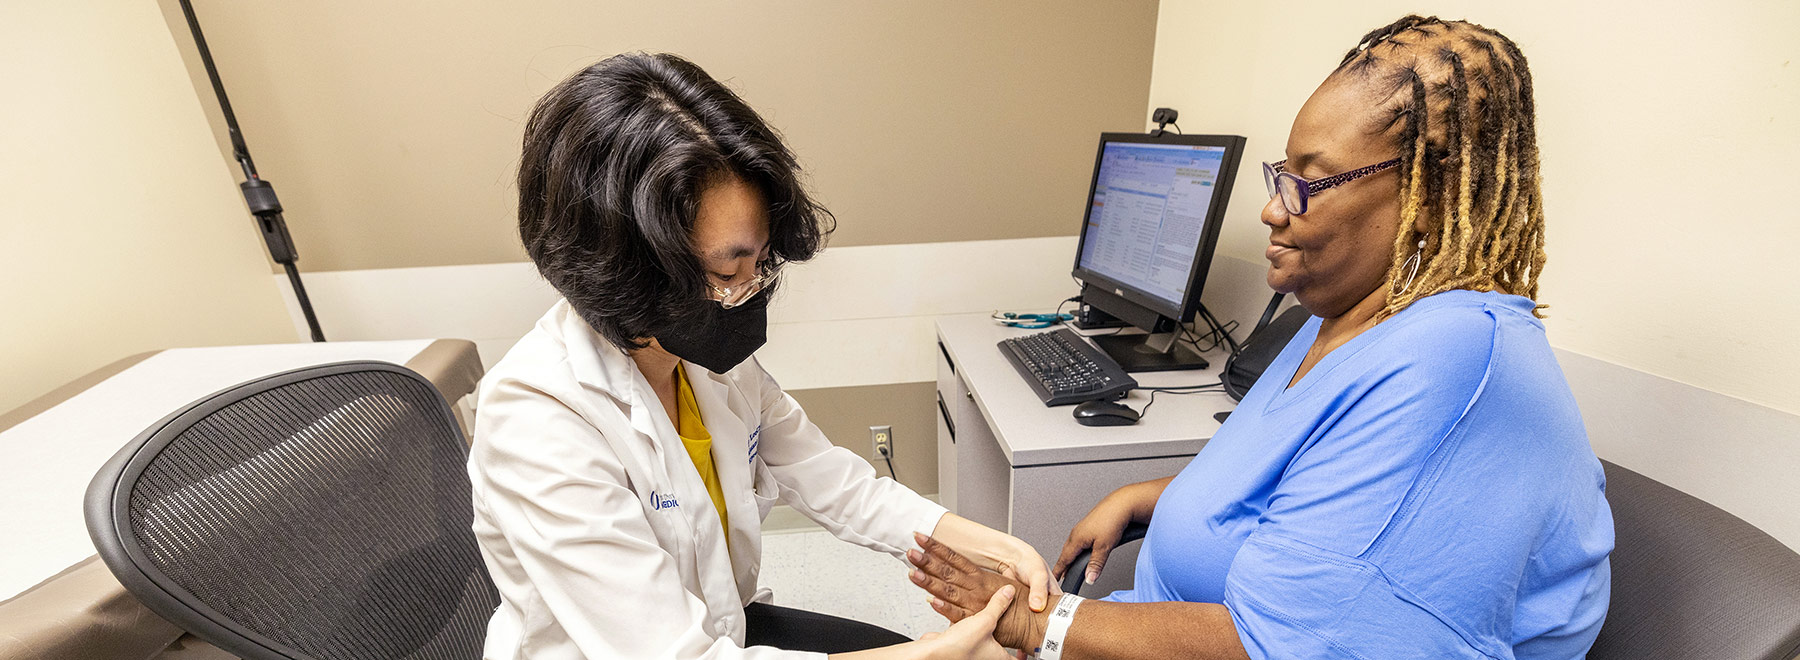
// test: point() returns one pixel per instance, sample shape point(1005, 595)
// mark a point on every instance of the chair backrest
point(1692, 581)
point(319, 513)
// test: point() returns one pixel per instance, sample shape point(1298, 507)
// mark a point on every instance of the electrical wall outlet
point(883, 439)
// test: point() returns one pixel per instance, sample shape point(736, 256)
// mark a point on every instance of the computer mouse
point(1105, 413)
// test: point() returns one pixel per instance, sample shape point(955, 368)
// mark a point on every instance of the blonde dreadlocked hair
point(1461, 100)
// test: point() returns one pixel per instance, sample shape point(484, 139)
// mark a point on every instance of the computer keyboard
point(1062, 369)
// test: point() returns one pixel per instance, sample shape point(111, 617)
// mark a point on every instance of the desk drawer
point(950, 389)
point(946, 463)
point(982, 475)
point(947, 427)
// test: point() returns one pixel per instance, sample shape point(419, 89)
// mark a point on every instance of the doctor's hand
point(972, 637)
point(960, 589)
point(999, 552)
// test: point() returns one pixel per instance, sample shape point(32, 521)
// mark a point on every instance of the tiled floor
point(810, 569)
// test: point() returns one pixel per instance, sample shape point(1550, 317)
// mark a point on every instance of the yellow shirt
point(698, 443)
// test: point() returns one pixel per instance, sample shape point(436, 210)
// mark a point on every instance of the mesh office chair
point(319, 513)
point(1689, 581)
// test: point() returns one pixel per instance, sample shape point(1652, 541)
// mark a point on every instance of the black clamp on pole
point(259, 194)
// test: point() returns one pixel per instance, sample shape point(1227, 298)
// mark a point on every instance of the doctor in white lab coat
point(627, 449)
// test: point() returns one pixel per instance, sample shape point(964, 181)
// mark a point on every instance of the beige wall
point(1668, 132)
point(846, 413)
point(120, 229)
point(392, 131)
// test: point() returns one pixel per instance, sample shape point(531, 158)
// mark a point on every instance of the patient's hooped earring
point(1412, 266)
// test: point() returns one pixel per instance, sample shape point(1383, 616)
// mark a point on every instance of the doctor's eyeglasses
point(732, 296)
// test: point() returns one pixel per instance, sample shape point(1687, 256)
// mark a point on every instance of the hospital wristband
point(1058, 627)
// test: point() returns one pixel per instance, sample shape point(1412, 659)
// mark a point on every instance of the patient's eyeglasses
point(1295, 191)
point(732, 296)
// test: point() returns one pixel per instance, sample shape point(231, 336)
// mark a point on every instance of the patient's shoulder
point(1435, 343)
point(1452, 319)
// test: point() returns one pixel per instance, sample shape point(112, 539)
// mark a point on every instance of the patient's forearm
point(1133, 631)
point(1151, 492)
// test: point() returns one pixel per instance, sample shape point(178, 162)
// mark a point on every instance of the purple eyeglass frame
point(1272, 176)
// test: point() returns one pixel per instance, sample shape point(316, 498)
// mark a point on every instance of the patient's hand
point(961, 589)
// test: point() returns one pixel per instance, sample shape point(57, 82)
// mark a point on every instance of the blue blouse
point(1425, 491)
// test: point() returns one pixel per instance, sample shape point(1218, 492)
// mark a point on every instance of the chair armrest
point(1071, 583)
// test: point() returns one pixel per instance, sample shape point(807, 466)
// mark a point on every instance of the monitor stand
point(1089, 317)
point(1152, 352)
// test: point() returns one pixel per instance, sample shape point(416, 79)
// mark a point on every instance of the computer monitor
point(1153, 215)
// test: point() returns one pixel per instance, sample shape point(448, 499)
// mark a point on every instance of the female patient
point(1410, 478)
point(627, 449)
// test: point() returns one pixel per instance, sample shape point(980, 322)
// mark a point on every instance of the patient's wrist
point(1051, 627)
point(1034, 632)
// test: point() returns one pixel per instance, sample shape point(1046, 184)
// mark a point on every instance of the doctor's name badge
point(660, 502)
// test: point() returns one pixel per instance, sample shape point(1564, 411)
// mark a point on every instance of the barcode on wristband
point(1058, 627)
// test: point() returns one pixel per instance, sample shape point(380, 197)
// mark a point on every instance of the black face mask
point(718, 338)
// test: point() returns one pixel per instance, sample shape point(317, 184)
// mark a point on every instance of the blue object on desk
point(1032, 321)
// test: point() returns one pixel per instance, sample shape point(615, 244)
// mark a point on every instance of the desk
point(1008, 462)
point(56, 599)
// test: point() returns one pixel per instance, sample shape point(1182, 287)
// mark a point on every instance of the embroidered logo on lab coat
point(660, 502)
point(753, 441)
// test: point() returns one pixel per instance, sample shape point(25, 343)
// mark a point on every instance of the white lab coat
point(595, 525)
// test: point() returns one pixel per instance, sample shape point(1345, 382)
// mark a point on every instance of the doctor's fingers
point(988, 616)
point(987, 610)
point(971, 636)
point(1036, 577)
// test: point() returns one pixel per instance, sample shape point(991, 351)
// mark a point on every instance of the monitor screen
point(1145, 221)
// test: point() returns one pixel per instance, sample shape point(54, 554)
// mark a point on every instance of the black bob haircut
point(614, 163)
